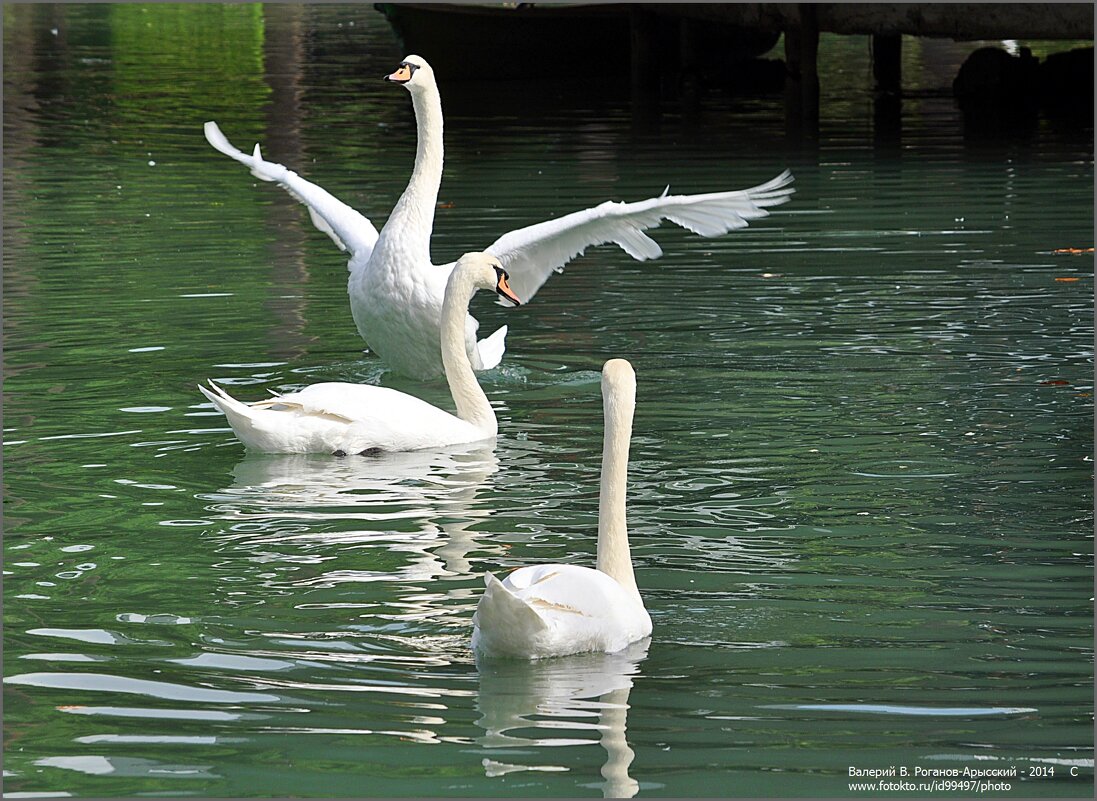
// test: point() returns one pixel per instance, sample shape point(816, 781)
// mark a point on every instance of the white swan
point(555, 610)
point(355, 418)
point(396, 291)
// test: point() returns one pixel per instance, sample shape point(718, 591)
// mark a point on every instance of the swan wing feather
point(531, 254)
point(361, 403)
point(348, 229)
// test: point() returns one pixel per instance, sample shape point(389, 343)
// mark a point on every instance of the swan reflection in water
point(524, 704)
point(418, 502)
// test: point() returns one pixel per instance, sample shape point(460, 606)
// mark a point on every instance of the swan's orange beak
point(503, 288)
point(403, 73)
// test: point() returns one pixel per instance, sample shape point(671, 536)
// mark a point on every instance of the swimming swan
point(396, 291)
point(555, 610)
point(343, 418)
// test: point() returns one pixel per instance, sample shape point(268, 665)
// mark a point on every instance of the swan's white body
point(556, 609)
point(396, 291)
point(330, 417)
point(351, 418)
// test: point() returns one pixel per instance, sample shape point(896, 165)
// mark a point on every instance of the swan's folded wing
point(501, 612)
point(348, 229)
point(530, 255)
point(355, 403)
point(565, 591)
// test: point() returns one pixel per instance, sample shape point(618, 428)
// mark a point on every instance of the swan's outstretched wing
point(530, 255)
point(348, 229)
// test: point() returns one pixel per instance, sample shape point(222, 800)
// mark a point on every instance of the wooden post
point(645, 65)
point(688, 74)
point(802, 82)
point(887, 107)
point(283, 56)
point(887, 51)
point(809, 64)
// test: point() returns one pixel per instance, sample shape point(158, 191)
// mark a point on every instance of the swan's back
point(334, 416)
point(552, 610)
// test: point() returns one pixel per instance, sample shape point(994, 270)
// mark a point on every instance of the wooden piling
point(887, 51)
point(645, 64)
point(802, 84)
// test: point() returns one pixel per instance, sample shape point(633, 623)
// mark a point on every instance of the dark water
point(861, 479)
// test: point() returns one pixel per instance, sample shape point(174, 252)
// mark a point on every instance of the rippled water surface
point(861, 475)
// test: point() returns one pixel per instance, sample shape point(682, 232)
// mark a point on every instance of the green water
point(861, 476)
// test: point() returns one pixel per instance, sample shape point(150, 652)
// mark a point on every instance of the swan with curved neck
point(557, 609)
point(342, 418)
point(395, 289)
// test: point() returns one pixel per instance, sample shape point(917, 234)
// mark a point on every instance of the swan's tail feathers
point(502, 619)
point(492, 349)
point(240, 415)
point(348, 229)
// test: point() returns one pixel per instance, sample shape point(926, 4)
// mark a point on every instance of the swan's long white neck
point(472, 404)
point(414, 211)
point(614, 556)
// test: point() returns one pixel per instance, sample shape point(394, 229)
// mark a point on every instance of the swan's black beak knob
point(503, 287)
point(403, 73)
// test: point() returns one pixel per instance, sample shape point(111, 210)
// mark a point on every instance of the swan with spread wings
point(396, 291)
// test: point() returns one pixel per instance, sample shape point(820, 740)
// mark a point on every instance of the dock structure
point(960, 21)
point(645, 40)
point(886, 24)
